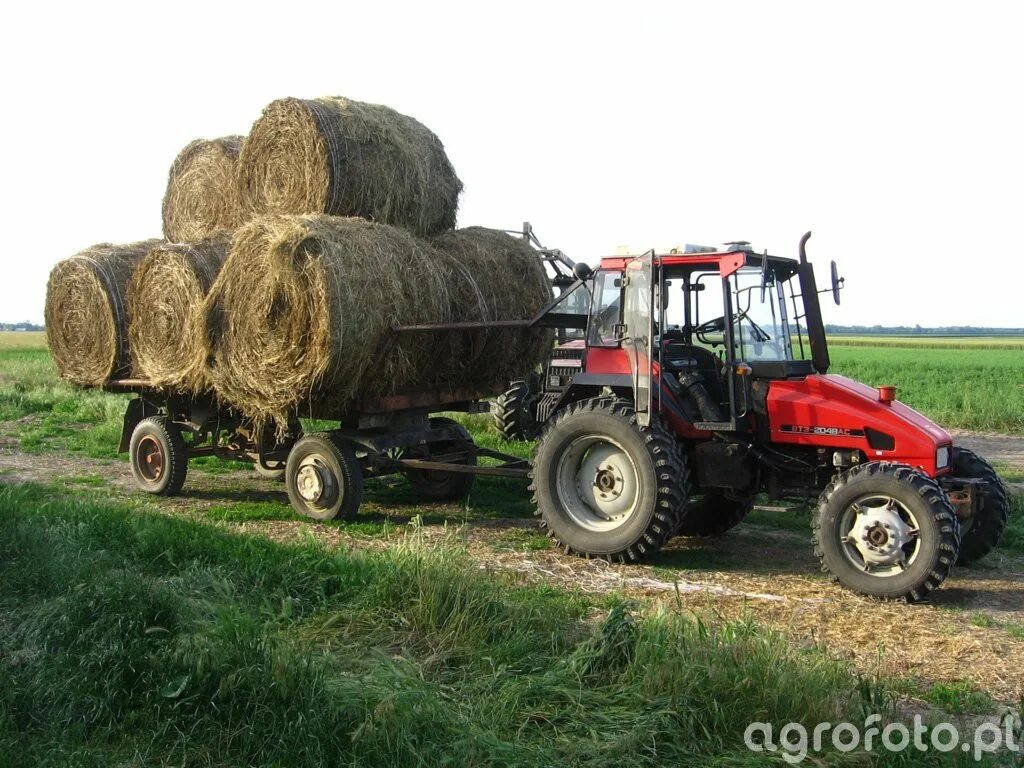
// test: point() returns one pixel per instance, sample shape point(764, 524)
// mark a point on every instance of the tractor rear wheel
point(605, 486)
point(437, 485)
point(713, 514)
point(886, 530)
point(511, 412)
point(981, 533)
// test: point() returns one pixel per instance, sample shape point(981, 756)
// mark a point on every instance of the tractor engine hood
point(832, 411)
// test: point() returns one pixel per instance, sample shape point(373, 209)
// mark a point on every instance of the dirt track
point(972, 629)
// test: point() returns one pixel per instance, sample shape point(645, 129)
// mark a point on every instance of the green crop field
point(929, 342)
point(981, 389)
point(133, 633)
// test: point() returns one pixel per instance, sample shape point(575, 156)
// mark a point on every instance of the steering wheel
point(715, 325)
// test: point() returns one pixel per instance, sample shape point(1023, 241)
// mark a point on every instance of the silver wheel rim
point(598, 483)
point(315, 483)
point(879, 535)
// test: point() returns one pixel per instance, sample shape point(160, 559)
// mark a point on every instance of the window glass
point(607, 309)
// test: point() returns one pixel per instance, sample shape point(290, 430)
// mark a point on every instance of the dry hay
point(202, 190)
point(303, 310)
point(504, 270)
point(86, 317)
point(165, 303)
point(347, 158)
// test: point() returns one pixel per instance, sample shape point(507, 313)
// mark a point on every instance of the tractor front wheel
point(605, 486)
point(982, 532)
point(513, 417)
point(886, 530)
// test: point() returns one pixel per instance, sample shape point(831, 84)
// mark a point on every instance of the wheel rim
point(598, 483)
point(149, 459)
point(880, 536)
point(316, 483)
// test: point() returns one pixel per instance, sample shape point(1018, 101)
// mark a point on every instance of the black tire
point(276, 473)
point(917, 500)
point(652, 461)
point(511, 412)
point(433, 485)
point(713, 514)
point(158, 456)
point(323, 478)
point(982, 533)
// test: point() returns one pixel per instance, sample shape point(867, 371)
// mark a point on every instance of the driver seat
point(678, 357)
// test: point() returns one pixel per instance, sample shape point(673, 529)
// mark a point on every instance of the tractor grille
point(564, 364)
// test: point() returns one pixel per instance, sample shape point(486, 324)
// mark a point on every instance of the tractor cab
point(689, 333)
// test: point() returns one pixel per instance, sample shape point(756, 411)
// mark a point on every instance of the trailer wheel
point(982, 533)
point(434, 485)
point(713, 514)
point(886, 530)
point(323, 478)
point(606, 487)
point(276, 472)
point(158, 456)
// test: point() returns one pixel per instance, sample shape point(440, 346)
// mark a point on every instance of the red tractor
point(697, 381)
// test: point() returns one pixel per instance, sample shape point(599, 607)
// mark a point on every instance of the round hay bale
point(165, 302)
point(347, 158)
point(513, 285)
point(303, 310)
point(202, 190)
point(86, 317)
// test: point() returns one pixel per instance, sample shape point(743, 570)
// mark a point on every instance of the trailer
point(324, 470)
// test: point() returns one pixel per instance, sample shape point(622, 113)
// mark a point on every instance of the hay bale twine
point(202, 190)
point(303, 309)
point(165, 302)
point(86, 314)
point(347, 158)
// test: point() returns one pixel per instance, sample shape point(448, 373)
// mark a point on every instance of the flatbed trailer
point(323, 471)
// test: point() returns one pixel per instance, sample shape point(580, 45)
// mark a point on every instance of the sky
point(893, 131)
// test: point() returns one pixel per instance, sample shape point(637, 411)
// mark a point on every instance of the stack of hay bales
point(289, 257)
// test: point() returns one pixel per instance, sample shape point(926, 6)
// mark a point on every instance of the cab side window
point(607, 309)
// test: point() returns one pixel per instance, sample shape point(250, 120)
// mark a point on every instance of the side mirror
point(837, 283)
point(582, 271)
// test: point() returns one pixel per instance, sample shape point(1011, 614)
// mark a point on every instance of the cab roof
point(727, 262)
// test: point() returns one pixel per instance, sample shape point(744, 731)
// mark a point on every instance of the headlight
point(942, 457)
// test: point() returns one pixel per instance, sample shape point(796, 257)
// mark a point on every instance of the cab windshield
point(765, 328)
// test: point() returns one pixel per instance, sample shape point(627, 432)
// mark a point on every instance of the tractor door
point(638, 335)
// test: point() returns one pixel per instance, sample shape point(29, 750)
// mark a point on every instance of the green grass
point(130, 638)
point(929, 342)
point(970, 389)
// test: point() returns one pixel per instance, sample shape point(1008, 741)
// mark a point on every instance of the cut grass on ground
point(130, 638)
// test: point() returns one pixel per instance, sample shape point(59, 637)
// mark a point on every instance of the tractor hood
point(836, 412)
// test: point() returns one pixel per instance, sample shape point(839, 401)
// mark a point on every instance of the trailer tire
point(158, 456)
point(714, 514)
point(982, 533)
point(434, 485)
point(863, 516)
point(511, 412)
point(323, 478)
point(603, 436)
point(275, 473)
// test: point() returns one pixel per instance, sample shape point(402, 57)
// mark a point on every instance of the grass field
point(929, 342)
point(131, 637)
